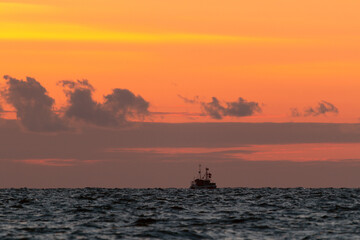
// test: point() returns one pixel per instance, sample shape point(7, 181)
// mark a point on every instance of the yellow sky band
point(64, 32)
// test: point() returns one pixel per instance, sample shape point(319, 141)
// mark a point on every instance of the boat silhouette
point(203, 181)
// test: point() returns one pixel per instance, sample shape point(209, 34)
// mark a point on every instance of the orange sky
point(280, 53)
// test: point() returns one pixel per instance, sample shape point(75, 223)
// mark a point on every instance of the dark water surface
point(237, 213)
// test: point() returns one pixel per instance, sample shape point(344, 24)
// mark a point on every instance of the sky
point(137, 93)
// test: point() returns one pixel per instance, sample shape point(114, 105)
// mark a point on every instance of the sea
point(224, 213)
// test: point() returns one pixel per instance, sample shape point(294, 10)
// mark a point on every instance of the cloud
point(125, 103)
point(117, 109)
point(295, 112)
point(34, 108)
point(240, 108)
point(25, 157)
point(188, 100)
point(322, 108)
point(50, 162)
point(83, 84)
point(218, 139)
point(83, 107)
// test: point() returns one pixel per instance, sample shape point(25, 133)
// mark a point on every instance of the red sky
point(177, 55)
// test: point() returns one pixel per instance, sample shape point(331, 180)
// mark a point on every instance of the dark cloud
point(322, 108)
point(125, 103)
point(34, 108)
point(118, 108)
point(79, 84)
point(216, 110)
point(83, 107)
point(240, 108)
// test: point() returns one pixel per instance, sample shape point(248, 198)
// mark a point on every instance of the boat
point(203, 182)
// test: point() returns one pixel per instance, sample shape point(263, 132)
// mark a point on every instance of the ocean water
point(229, 213)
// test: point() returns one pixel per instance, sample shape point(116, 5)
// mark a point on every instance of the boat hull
point(203, 187)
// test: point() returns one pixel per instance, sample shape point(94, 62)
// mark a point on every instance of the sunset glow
point(114, 65)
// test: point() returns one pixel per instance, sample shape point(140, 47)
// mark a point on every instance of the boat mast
point(199, 171)
point(206, 174)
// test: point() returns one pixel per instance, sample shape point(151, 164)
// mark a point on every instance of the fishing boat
point(203, 181)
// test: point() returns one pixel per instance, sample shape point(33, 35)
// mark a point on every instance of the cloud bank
point(35, 108)
point(92, 142)
point(42, 160)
